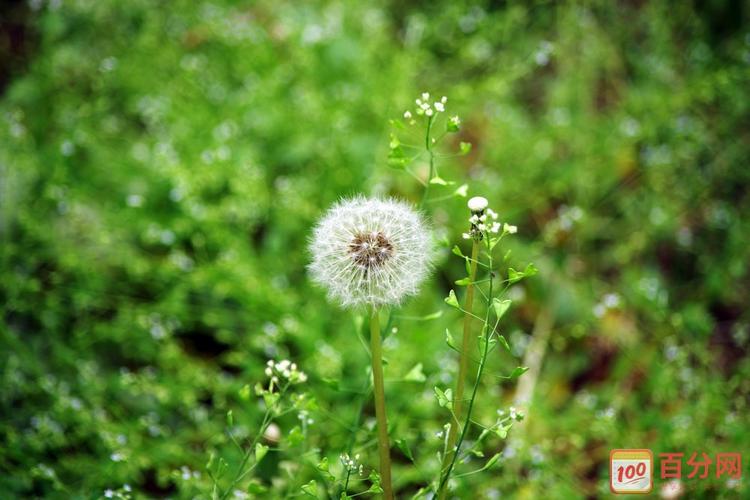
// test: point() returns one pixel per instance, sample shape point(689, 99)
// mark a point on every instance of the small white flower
point(507, 228)
point(428, 112)
point(425, 95)
point(477, 203)
point(495, 227)
point(474, 219)
point(482, 227)
point(269, 372)
point(439, 106)
point(443, 99)
point(466, 236)
point(370, 252)
point(492, 213)
point(407, 115)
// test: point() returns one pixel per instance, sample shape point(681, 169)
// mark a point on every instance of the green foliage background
point(162, 164)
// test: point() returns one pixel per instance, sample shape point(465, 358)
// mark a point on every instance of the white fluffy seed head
point(370, 252)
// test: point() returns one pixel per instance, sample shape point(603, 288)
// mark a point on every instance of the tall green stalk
point(486, 334)
point(431, 153)
point(463, 364)
point(384, 447)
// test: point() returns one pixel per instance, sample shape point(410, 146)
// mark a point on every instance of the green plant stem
point(379, 392)
point(241, 472)
point(445, 476)
point(428, 147)
point(463, 362)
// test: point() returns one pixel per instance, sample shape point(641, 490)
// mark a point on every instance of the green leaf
point(311, 489)
point(256, 488)
point(465, 147)
point(230, 419)
point(435, 315)
point(463, 281)
point(501, 306)
point(449, 340)
point(270, 399)
point(504, 342)
point(451, 300)
point(444, 398)
point(492, 461)
point(294, 436)
point(517, 372)
point(397, 124)
point(245, 392)
point(323, 468)
point(514, 276)
point(260, 451)
point(415, 374)
point(404, 447)
point(530, 270)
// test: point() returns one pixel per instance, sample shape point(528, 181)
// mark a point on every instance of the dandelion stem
point(463, 363)
point(380, 415)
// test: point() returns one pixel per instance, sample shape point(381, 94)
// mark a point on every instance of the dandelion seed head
point(370, 252)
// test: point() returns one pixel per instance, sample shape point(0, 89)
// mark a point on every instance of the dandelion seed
point(370, 252)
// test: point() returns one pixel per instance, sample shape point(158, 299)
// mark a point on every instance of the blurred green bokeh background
point(162, 164)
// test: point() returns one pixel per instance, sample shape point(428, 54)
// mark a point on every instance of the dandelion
point(370, 252)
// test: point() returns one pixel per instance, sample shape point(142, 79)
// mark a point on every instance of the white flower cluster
point(351, 464)
point(483, 219)
point(285, 370)
point(513, 413)
point(425, 108)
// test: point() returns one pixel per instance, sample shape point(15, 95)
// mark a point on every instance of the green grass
point(162, 165)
